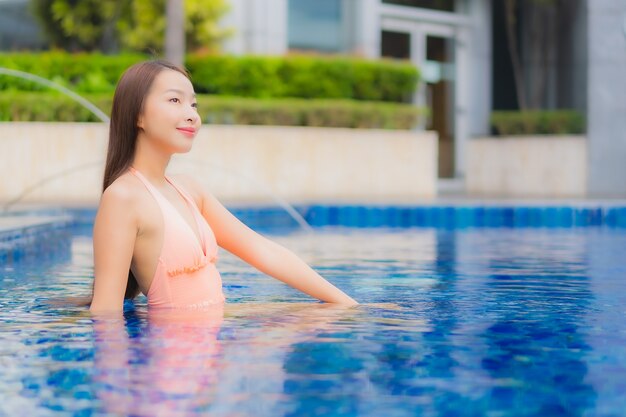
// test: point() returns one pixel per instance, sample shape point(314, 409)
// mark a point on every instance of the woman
point(158, 235)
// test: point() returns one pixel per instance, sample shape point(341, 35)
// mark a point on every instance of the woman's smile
point(187, 131)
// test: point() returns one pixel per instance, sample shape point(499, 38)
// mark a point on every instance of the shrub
point(52, 106)
point(555, 122)
point(85, 73)
point(248, 76)
point(47, 107)
point(304, 77)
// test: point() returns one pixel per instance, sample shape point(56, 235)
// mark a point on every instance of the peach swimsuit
point(186, 276)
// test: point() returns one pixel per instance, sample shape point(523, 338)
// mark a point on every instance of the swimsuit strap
point(155, 193)
point(167, 205)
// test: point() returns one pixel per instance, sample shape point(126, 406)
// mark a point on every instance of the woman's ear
point(140, 122)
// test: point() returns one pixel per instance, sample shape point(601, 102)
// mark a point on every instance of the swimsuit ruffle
point(190, 269)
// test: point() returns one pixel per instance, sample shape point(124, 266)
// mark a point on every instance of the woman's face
point(170, 118)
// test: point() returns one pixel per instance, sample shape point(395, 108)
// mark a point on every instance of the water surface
point(473, 322)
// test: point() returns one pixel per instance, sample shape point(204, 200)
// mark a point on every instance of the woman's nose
point(192, 115)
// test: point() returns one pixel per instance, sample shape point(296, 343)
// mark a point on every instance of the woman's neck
point(151, 162)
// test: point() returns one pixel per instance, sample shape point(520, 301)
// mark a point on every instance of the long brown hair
point(128, 102)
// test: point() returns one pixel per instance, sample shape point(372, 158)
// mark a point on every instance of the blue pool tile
point(448, 217)
point(363, 215)
point(508, 216)
point(464, 217)
point(393, 216)
point(521, 217)
point(405, 217)
point(333, 216)
point(551, 217)
point(596, 215)
point(347, 216)
point(316, 216)
point(494, 217)
point(621, 217)
point(375, 217)
point(536, 217)
point(611, 217)
point(566, 217)
point(479, 217)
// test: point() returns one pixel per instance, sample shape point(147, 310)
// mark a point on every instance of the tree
point(79, 25)
point(175, 31)
point(146, 28)
point(138, 25)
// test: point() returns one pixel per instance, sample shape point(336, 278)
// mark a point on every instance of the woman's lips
point(189, 131)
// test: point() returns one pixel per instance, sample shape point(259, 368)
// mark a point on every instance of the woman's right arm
point(114, 234)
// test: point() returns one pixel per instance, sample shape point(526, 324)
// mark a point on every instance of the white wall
point(237, 163)
point(540, 166)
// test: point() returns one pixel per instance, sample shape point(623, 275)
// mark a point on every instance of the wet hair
point(128, 102)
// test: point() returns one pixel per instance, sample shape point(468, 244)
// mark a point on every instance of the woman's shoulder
point(124, 190)
point(192, 186)
point(121, 203)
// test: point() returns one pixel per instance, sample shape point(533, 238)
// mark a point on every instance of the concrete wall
point(237, 163)
point(606, 89)
point(528, 167)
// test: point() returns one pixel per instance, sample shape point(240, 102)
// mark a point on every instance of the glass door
point(432, 47)
point(438, 75)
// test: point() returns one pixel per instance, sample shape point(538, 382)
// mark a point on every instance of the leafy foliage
point(136, 25)
point(554, 122)
point(47, 106)
point(260, 77)
point(304, 76)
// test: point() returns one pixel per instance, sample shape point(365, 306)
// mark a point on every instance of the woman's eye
point(175, 100)
point(194, 105)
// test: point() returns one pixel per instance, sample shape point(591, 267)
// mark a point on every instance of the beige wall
point(528, 166)
point(235, 162)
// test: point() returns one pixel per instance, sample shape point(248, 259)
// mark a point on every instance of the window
point(395, 45)
point(18, 27)
point(315, 25)
point(442, 5)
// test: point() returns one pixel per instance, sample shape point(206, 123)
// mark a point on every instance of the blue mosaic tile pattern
point(37, 241)
point(440, 216)
point(41, 239)
point(460, 216)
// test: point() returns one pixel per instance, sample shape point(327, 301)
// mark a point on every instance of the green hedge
point(251, 76)
point(20, 106)
point(83, 72)
point(304, 77)
point(300, 112)
point(538, 122)
point(37, 106)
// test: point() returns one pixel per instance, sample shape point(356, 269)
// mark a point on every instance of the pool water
point(465, 322)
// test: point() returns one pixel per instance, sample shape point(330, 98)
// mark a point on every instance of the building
point(464, 53)
point(461, 48)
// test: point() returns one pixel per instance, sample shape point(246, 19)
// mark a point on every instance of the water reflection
point(393, 354)
point(192, 363)
point(502, 322)
point(171, 369)
point(539, 297)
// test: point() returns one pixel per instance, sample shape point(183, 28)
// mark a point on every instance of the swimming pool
point(456, 321)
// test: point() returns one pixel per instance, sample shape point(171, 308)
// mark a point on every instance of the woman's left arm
point(265, 255)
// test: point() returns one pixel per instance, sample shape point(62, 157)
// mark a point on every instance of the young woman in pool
point(159, 235)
